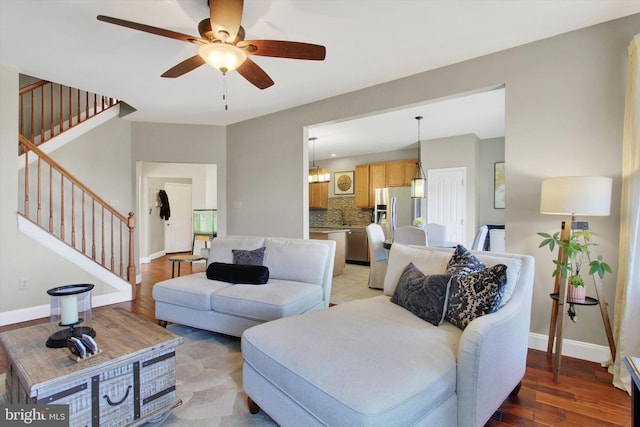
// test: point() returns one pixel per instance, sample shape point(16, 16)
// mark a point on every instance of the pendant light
point(418, 181)
point(315, 173)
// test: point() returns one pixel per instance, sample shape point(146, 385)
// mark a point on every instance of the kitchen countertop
point(327, 230)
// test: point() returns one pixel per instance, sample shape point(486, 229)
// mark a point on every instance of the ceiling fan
point(222, 44)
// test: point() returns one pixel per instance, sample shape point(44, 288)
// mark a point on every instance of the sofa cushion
point(424, 296)
point(475, 294)
point(193, 290)
point(248, 257)
point(278, 298)
point(238, 273)
point(222, 247)
point(426, 259)
point(463, 262)
point(296, 260)
point(362, 344)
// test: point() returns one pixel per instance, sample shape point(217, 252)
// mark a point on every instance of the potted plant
point(578, 244)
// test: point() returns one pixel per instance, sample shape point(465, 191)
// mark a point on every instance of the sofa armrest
point(492, 354)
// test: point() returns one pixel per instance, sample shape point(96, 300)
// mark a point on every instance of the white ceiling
point(368, 42)
point(481, 114)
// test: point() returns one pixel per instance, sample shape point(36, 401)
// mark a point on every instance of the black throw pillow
point(238, 273)
point(424, 296)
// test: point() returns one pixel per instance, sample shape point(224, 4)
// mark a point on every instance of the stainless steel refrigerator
point(394, 208)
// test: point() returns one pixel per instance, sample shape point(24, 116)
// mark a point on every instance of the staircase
point(54, 201)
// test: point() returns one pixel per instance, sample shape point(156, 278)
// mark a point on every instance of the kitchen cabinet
point(399, 173)
point(362, 186)
point(319, 195)
point(394, 176)
point(409, 168)
point(381, 175)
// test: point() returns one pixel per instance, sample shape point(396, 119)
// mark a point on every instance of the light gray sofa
point(300, 278)
point(371, 362)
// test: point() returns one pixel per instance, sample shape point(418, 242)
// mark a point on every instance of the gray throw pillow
point(248, 257)
point(424, 296)
point(475, 294)
point(463, 262)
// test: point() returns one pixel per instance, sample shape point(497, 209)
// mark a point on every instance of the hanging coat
point(165, 211)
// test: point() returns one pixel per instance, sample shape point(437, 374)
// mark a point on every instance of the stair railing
point(48, 109)
point(75, 214)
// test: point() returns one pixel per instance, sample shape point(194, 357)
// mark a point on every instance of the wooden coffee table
point(130, 382)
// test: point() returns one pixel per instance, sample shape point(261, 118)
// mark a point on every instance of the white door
point(178, 234)
point(447, 201)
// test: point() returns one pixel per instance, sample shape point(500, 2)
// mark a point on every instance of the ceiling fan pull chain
point(224, 92)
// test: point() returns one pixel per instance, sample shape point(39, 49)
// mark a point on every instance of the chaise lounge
point(374, 362)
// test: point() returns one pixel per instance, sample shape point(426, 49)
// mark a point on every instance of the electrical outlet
point(22, 284)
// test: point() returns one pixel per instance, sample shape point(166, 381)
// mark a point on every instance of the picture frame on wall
point(343, 183)
point(498, 186)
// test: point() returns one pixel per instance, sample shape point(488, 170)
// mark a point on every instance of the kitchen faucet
point(341, 217)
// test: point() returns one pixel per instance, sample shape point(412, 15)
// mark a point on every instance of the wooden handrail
point(58, 214)
point(33, 86)
point(63, 171)
point(36, 112)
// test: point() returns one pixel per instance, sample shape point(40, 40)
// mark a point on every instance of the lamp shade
point(576, 195)
point(222, 56)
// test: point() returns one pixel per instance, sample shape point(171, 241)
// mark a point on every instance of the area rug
point(209, 382)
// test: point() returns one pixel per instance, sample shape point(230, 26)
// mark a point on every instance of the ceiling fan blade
point(225, 15)
point(184, 67)
point(254, 74)
point(153, 30)
point(284, 49)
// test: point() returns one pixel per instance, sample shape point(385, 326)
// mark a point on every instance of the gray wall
point(180, 143)
point(564, 115)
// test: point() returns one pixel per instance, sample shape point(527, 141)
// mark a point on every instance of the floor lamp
point(583, 196)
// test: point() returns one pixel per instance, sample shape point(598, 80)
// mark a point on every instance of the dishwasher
point(357, 246)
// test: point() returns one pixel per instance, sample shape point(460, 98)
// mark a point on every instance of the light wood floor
point(583, 397)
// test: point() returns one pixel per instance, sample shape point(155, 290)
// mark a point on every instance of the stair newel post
point(131, 268)
point(26, 182)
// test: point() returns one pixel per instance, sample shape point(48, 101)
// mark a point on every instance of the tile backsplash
point(353, 216)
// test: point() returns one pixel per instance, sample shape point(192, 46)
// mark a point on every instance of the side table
point(633, 365)
point(180, 259)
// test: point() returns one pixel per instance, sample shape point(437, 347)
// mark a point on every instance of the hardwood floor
point(583, 397)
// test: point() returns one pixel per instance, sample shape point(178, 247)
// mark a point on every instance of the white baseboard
point(578, 349)
point(41, 311)
point(148, 259)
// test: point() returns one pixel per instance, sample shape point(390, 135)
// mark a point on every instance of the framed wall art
point(343, 183)
point(498, 185)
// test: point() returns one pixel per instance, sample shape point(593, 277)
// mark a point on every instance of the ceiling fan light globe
point(222, 56)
